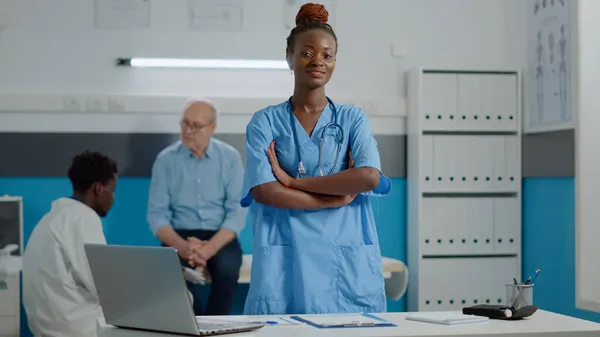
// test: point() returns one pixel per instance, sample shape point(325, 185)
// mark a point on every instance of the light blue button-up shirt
point(187, 192)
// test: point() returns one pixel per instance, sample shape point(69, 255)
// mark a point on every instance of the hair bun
point(311, 11)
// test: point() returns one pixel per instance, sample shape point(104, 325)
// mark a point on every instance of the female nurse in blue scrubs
point(311, 165)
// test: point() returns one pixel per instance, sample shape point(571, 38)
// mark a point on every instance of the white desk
point(542, 323)
point(394, 272)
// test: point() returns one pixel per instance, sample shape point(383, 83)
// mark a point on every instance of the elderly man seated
point(194, 204)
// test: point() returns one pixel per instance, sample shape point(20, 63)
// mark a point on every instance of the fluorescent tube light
point(140, 62)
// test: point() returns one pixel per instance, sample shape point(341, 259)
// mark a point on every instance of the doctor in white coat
point(59, 295)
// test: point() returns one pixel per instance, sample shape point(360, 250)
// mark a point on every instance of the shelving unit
point(11, 232)
point(464, 187)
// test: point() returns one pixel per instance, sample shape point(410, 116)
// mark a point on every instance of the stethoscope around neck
point(332, 124)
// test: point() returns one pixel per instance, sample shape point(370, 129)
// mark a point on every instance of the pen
point(537, 271)
point(528, 280)
point(515, 280)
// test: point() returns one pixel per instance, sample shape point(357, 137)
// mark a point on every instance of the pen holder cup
point(519, 295)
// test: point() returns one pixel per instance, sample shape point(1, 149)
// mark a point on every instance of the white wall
point(51, 47)
point(587, 158)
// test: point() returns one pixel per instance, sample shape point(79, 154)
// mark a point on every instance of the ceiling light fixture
point(141, 62)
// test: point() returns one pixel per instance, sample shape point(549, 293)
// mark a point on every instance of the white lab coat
point(59, 295)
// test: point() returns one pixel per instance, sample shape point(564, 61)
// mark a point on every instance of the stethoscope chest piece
point(301, 169)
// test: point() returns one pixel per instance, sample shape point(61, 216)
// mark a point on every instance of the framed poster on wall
point(550, 76)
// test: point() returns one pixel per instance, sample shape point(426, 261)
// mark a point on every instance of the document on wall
point(549, 58)
point(121, 14)
point(291, 8)
point(216, 15)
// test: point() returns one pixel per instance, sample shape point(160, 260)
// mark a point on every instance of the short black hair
point(311, 16)
point(89, 168)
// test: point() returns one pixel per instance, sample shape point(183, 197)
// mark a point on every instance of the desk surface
point(542, 323)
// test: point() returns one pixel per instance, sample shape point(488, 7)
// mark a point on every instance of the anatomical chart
point(549, 63)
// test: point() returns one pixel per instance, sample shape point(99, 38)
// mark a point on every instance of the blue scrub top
point(313, 261)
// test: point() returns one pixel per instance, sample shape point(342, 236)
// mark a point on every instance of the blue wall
point(549, 243)
point(548, 230)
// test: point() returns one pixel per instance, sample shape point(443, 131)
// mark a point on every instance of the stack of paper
point(335, 320)
point(445, 318)
point(343, 320)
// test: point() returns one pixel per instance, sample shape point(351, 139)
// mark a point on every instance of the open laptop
point(144, 288)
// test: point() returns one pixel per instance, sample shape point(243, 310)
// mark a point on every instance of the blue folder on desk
point(337, 321)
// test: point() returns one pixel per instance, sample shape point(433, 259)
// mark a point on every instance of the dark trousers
point(224, 269)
